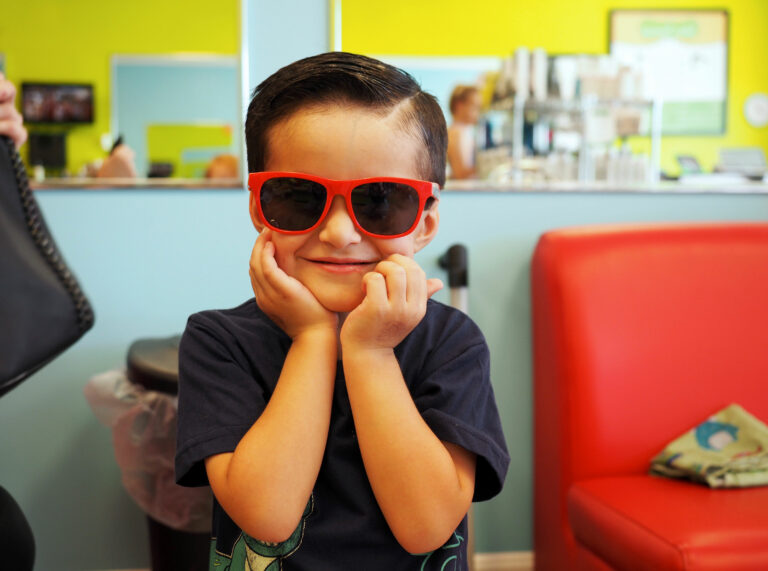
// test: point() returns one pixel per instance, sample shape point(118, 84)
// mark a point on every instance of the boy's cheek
point(280, 260)
point(404, 246)
point(284, 254)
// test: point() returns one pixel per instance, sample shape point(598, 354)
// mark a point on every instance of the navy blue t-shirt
point(229, 363)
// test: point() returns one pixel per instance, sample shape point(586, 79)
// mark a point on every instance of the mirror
point(179, 115)
point(173, 121)
point(162, 47)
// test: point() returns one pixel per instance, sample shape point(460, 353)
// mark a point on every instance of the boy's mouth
point(343, 265)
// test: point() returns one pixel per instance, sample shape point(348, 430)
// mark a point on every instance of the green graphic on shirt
point(250, 554)
point(449, 559)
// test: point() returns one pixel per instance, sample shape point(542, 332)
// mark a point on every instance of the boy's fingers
point(262, 278)
point(260, 246)
point(261, 269)
point(263, 236)
point(375, 287)
point(415, 278)
point(261, 239)
point(417, 283)
point(396, 280)
point(258, 291)
point(254, 267)
point(255, 261)
point(274, 276)
point(269, 268)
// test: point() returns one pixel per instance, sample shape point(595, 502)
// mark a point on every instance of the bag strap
point(44, 241)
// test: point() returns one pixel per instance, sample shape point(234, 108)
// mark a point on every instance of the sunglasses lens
point(292, 204)
point(385, 208)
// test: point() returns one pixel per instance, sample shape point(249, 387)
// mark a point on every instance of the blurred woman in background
point(465, 105)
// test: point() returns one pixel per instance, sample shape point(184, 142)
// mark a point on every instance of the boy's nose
point(338, 229)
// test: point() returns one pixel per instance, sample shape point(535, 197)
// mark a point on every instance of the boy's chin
point(341, 305)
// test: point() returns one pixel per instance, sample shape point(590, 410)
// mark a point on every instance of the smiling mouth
point(343, 262)
point(343, 265)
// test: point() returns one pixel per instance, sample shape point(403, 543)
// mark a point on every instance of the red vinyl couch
point(640, 333)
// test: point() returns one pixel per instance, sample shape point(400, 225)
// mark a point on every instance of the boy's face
point(342, 143)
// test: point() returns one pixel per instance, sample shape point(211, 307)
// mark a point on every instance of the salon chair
point(639, 334)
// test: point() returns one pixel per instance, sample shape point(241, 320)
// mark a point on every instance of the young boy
point(343, 420)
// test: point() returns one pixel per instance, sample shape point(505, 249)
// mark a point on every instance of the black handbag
point(43, 311)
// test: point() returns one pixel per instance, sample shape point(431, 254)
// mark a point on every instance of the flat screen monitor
point(54, 103)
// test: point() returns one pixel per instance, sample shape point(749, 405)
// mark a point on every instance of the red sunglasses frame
point(333, 188)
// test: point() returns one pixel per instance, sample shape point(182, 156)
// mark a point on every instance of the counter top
point(693, 184)
point(140, 183)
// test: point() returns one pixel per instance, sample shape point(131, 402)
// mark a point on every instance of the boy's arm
point(423, 486)
point(264, 485)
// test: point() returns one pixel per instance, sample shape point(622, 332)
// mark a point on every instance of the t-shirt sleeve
point(455, 397)
point(219, 397)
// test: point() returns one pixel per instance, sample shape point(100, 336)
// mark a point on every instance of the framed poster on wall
point(683, 55)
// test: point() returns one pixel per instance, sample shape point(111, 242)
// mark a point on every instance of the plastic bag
point(143, 427)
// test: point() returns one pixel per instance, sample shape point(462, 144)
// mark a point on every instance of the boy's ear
point(427, 229)
point(255, 213)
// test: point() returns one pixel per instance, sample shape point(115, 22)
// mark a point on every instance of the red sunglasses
point(381, 207)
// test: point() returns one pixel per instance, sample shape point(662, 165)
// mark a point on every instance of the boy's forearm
point(265, 485)
point(421, 490)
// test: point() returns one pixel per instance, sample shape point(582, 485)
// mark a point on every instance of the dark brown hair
point(347, 79)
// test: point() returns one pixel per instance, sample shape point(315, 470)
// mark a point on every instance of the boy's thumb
point(433, 286)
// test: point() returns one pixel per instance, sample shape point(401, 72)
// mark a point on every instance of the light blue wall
point(279, 33)
point(147, 259)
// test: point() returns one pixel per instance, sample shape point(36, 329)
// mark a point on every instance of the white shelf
point(582, 108)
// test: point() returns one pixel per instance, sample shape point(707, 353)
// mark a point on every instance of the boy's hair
point(347, 79)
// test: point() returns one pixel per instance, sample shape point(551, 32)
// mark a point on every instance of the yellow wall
point(73, 40)
point(497, 27)
point(58, 40)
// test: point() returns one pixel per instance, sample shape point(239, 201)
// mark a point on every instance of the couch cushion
point(647, 522)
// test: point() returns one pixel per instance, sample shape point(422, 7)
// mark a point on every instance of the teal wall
point(149, 258)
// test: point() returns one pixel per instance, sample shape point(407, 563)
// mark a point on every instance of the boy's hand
point(283, 298)
point(396, 294)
